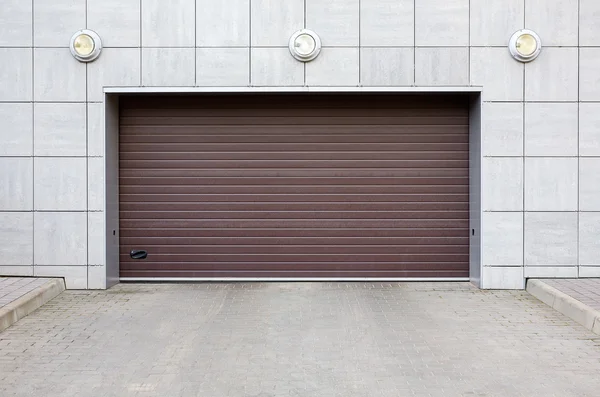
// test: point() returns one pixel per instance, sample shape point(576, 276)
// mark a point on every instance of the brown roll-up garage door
point(299, 186)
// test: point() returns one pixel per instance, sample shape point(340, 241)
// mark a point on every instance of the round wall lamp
point(305, 45)
point(525, 45)
point(86, 45)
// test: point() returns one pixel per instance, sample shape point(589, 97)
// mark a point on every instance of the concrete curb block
point(570, 307)
point(29, 302)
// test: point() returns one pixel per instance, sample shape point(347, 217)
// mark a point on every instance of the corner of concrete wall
point(111, 104)
point(475, 190)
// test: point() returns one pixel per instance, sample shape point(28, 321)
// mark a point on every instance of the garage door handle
point(138, 254)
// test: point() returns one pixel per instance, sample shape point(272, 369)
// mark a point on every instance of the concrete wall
point(540, 121)
point(475, 190)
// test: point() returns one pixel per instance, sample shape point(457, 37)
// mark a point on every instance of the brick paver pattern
point(12, 288)
point(585, 290)
point(298, 339)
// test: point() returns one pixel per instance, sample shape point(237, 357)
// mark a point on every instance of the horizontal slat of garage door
point(294, 186)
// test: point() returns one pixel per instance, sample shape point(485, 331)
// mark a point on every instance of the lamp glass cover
point(526, 45)
point(84, 45)
point(305, 44)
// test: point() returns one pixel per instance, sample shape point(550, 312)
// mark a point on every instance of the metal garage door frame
point(111, 179)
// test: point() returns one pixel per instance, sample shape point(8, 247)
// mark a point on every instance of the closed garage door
point(294, 186)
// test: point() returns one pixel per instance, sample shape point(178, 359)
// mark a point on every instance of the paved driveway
point(298, 339)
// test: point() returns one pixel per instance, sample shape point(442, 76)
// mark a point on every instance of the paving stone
point(585, 290)
point(12, 288)
point(298, 339)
